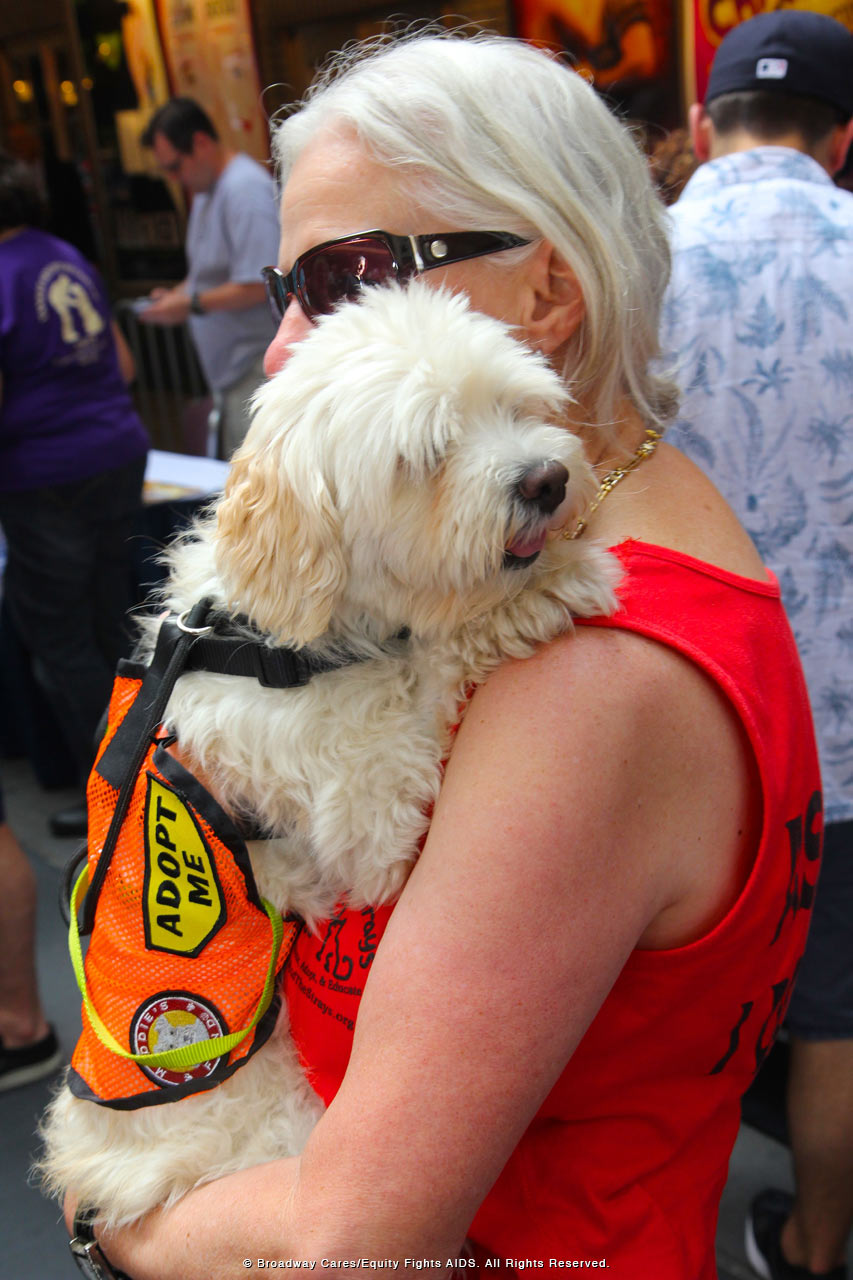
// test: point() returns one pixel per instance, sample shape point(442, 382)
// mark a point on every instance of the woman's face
point(336, 189)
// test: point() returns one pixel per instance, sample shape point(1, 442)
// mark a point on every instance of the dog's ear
point(278, 545)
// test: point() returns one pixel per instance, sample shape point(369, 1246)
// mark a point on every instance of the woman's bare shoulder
point(670, 502)
point(636, 757)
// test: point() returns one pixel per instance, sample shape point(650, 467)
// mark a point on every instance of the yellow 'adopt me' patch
point(183, 905)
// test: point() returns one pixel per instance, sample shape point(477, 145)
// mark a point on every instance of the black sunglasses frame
point(410, 256)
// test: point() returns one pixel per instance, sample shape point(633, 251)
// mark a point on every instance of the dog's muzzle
point(540, 491)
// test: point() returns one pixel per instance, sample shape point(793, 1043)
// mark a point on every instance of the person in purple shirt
point(72, 462)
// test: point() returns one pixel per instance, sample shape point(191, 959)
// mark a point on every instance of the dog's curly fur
point(377, 490)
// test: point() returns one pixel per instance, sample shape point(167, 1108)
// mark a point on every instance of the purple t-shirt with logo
point(66, 413)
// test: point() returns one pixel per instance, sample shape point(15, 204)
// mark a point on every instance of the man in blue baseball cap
point(759, 321)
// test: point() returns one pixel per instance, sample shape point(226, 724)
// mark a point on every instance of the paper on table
point(172, 476)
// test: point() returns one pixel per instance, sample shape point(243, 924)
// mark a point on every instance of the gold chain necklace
point(650, 443)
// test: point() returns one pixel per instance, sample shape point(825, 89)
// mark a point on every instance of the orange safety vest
point(179, 982)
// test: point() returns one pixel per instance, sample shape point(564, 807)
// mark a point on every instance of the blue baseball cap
point(790, 51)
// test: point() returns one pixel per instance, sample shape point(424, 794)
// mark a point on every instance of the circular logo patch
point(173, 1020)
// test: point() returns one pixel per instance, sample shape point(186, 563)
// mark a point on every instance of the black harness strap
point(274, 668)
point(167, 664)
point(201, 649)
point(188, 643)
point(133, 736)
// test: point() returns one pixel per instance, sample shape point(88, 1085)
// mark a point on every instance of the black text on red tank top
point(805, 833)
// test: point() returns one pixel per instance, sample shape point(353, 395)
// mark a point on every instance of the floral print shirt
point(758, 325)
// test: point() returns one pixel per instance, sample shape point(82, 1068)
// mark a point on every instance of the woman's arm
point(561, 836)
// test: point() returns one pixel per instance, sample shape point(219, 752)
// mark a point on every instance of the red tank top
point(626, 1159)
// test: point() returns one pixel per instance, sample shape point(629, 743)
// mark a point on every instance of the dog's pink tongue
point(527, 547)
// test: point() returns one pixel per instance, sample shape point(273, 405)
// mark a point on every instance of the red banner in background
point(625, 48)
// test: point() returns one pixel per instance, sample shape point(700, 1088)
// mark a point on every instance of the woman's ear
point(553, 303)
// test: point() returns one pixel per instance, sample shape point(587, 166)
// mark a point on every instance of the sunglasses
point(337, 270)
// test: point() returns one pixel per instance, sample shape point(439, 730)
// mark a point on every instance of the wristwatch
point(195, 305)
point(86, 1251)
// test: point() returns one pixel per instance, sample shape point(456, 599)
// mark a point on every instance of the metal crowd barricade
point(170, 391)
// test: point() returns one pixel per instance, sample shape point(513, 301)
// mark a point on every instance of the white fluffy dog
point(403, 473)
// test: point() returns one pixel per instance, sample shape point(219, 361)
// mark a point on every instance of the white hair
point(493, 134)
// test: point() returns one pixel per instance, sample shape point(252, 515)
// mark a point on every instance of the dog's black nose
point(544, 486)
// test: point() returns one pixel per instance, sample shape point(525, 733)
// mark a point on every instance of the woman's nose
point(294, 326)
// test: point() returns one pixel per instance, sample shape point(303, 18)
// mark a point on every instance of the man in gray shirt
point(232, 233)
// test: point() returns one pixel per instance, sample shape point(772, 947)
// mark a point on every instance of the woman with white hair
point(595, 948)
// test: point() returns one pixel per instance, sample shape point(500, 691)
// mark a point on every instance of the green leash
point(189, 1055)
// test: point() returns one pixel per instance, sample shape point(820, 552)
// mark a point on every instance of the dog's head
point(403, 469)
